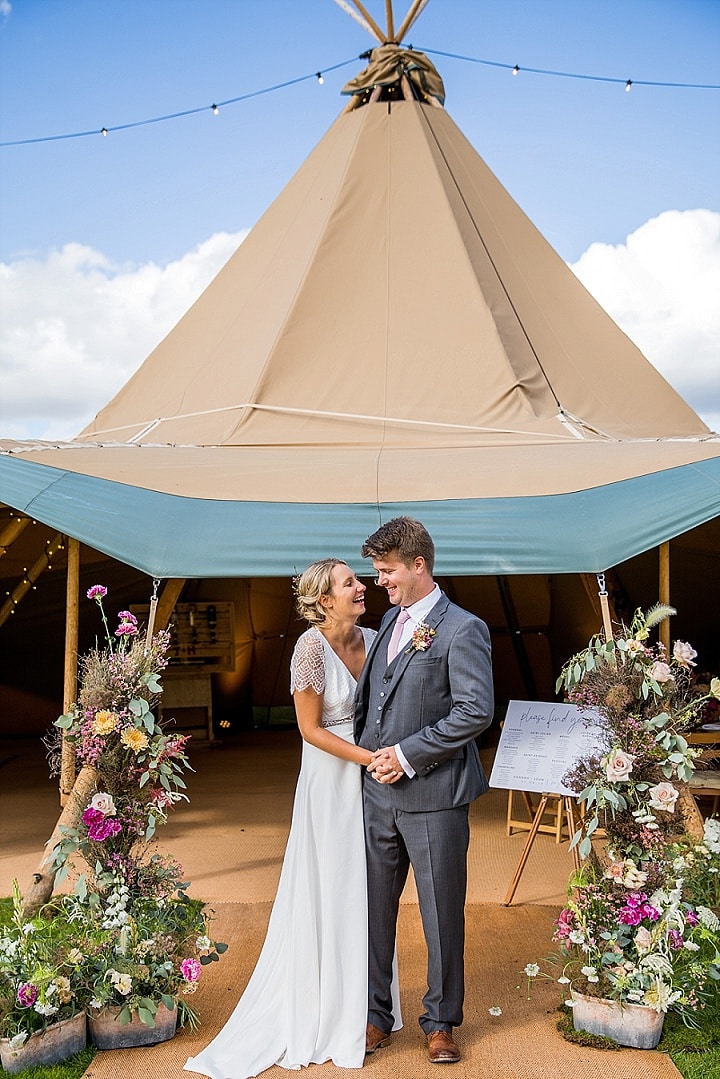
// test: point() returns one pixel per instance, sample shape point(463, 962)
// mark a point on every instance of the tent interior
point(536, 622)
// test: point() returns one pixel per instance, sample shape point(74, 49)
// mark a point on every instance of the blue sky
point(145, 216)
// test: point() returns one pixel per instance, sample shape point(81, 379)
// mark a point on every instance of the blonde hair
point(314, 583)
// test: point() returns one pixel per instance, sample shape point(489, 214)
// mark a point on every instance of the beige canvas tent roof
point(394, 335)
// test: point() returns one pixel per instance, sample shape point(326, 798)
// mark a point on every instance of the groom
point(423, 697)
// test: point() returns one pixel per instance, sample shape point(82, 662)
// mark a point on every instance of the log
point(43, 882)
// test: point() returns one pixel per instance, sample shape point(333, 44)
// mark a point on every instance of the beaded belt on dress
point(337, 722)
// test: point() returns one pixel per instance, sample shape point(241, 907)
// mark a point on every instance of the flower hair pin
point(422, 638)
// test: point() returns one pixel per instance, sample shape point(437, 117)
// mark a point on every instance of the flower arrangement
point(143, 940)
point(41, 975)
point(422, 638)
point(638, 926)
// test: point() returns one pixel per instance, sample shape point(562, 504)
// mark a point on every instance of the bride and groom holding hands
point(389, 768)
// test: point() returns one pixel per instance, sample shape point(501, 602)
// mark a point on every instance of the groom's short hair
point(405, 536)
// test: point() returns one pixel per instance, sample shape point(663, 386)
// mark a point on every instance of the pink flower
point(190, 969)
point(127, 616)
point(691, 918)
point(661, 672)
point(564, 924)
point(92, 816)
point(630, 916)
point(126, 629)
point(27, 994)
point(618, 765)
point(676, 939)
point(98, 592)
point(684, 653)
point(663, 796)
point(103, 829)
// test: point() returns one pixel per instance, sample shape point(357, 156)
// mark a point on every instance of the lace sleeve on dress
point(307, 666)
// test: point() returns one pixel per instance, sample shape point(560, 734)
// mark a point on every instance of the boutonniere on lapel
point(421, 639)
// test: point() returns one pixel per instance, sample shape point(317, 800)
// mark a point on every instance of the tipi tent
point(394, 336)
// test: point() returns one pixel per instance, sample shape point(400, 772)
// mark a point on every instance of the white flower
point(712, 834)
point(121, 982)
point(45, 1009)
point(569, 1003)
point(691, 946)
point(664, 796)
point(659, 996)
point(588, 971)
point(576, 936)
point(532, 970)
point(103, 803)
point(203, 944)
point(28, 928)
point(563, 980)
point(643, 939)
point(495, 1010)
point(708, 918)
point(684, 653)
point(634, 878)
point(19, 1039)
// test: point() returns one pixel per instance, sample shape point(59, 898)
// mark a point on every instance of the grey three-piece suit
point(432, 703)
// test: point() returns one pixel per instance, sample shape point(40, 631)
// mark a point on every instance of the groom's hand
point(385, 766)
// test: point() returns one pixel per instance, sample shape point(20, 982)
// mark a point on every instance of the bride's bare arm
point(308, 709)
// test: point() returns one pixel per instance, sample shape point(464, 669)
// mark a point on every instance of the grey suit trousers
point(435, 844)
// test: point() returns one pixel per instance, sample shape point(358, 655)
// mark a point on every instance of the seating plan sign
point(540, 742)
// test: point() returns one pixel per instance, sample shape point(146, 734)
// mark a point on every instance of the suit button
point(382, 694)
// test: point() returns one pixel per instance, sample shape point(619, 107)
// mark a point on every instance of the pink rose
point(663, 796)
point(618, 765)
point(661, 672)
point(103, 803)
point(684, 653)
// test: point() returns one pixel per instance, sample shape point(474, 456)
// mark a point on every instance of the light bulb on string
point(215, 109)
point(104, 132)
point(628, 86)
point(319, 78)
point(515, 70)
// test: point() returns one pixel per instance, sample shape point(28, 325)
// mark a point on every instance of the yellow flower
point(134, 739)
point(105, 722)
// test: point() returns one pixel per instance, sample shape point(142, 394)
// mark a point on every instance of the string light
point(318, 75)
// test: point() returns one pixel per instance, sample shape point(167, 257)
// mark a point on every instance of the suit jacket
point(434, 704)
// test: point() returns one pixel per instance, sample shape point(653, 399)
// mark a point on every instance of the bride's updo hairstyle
point(311, 585)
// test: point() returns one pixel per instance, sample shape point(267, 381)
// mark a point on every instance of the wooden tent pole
point(41, 888)
point(390, 20)
point(408, 20)
point(370, 21)
point(664, 591)
point(67, 759)
point(166, 603)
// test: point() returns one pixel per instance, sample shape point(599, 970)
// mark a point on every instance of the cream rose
point(661, 672)
point(103, 803)
point(663, 796)
point(618, 765)
point(684, 653)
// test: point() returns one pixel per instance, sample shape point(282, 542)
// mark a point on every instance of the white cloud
point(74, 327)
point(662, 287)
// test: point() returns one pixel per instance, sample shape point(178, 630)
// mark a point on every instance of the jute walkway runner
point(230, 839)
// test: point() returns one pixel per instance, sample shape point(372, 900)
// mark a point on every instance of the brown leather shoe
point(441, 1047)
point(375, 1038)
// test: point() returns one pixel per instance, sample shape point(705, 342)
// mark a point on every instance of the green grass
point(69, 1069)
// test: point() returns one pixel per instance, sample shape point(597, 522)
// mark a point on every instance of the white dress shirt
point(418, 613)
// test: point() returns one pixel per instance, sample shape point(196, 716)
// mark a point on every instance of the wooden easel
point(571, 821)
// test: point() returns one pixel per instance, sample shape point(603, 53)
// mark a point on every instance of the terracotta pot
point(107, 1033)
point(50, 1046)
point(635, 1025)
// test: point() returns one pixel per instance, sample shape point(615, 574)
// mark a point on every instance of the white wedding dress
point(306, 1001)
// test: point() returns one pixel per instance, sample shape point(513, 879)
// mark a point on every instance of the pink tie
point(394, 646)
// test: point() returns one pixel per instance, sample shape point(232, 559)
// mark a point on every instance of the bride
point(306, 1001)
